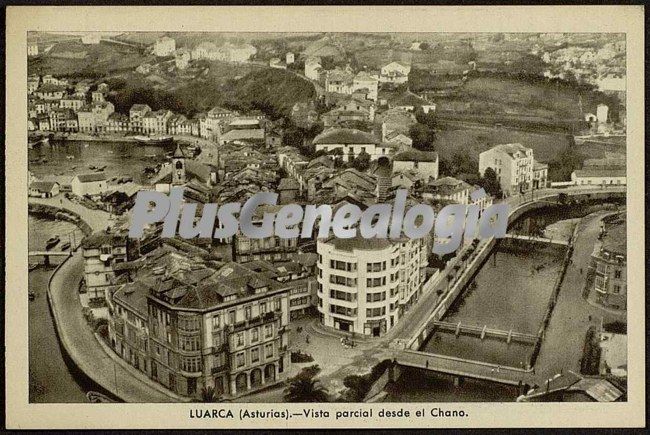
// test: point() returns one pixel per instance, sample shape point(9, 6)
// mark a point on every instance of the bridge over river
point(426, 317)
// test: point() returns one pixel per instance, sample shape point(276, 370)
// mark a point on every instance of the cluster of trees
point(359, 386)
point(423, 133)
point(567, 161)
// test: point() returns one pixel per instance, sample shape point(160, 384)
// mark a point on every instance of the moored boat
point(154, 140)
point(52, 242)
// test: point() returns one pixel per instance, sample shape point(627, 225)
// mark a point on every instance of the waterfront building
point(93, 185)
point(93, 118)
point(164, 46)
point(118, 123)
point(540, 175)
point(222, 328)
point(351, 142)
point(44, 189)
point(101, 252)
point(366, 285)
point(156, 122)
point(513, 164)
point(599, 176)
point(424, 163)
point(136, 116)
point(609, 264)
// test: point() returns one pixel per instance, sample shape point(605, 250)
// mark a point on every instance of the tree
point(490, 183)
point(210, 395)
point(422, 137)
point(362, 161)
point(429, 119)
point(424, 46)
point(305, 389)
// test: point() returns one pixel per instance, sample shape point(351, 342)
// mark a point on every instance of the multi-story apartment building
point(608, 262)
point(272, 248)
point(101, 252)
point(202, 328)
point(136, 115)
point(366, 285)
point(72, 102)
point(513, 164)
point(93, 118)
point(156, 122)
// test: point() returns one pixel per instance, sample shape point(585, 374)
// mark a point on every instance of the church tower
point(178, 167)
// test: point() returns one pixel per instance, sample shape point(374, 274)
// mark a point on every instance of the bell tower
point(178, 166)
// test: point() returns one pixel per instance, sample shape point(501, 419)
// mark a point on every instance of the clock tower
point(178, 167)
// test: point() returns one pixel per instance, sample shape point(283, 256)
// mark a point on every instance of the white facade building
point(365, 285)
point(513, 164)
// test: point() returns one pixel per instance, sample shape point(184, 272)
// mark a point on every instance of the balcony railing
point(255, 321)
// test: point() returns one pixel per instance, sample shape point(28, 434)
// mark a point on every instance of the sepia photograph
point(367, 220)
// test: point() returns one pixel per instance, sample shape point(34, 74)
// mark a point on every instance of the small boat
point(154, 140)
point(92, 167)
point(52, 242)
point(65, 246)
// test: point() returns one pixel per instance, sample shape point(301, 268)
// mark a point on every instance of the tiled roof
point(336, 136)
point(88, 178)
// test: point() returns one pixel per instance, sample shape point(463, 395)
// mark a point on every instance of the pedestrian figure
point(498, 369)
point(307, 339)
point(427, 364)
point(581, 271)
point(590, 317)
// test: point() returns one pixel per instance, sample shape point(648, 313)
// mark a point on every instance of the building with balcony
point(101, 252)
point(513, 164)
point(189, 326)
point(366, 285)
point(609, 264)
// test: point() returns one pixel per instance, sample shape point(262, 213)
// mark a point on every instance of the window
point(248, 312)
point(216, 322)
point(376, 297)
point(190, 343)
point(191, 364)
point(268, 331)
point(268, 350)
point(375, 312)
point(375, 282)
point(617, 273)
point(231, 317)
point(617, 289)
point(343, 296)
point(240, 339)
point(376, 267)
point(263, 308)
point(241, 359)
point(277, 305)
point(255, 335)
point(255, 355)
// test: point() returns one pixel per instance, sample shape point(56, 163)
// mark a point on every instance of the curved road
point(80, 343)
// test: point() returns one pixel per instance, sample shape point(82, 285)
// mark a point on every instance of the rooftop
point(414, 155)
point(89, 178)
point(335, 136)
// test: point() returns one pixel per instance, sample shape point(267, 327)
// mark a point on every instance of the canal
point(511, 291)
